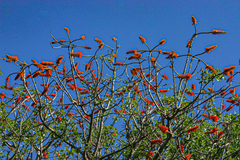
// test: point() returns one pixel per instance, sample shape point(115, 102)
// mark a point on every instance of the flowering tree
point(112, 109)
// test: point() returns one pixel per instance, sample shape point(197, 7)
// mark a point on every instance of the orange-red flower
point(153, 60)
point(20, 74)
point(119, 63)
point(163, 128)
point(3, 95)
point(154, 141)
point(220, 134)
point(82, 37)
point(229, 108)
point(12, 58)
point(46, 89)
point(187, 157)
point(163, 90)
point(101, 45)
point(114, 38)
point(189, 43)
point(143, 40)
point(190, 93)
point(193, 86)
point(67, 106)
point(150, 154)
point(229, 70)
point(182, 150)
point(218, 32)
point(229, 78)
point(76, 54)
point(194, 20)
point(162, 41)
point(223, 106)
point(233, 90)
point(211, 90)
point(25, 107)
point(165, 77)
point(208, 49)
point(209, 67)
point(193, 129)
point(86, 47)
point(132, 51)
point(59, 60)
point(48, 63)
point(135, 56)
point(212, 131)
point(88, 66)
point(213, 118)
point(66, 29)
point(185, 76)
point(98, 40)
point(54, 42)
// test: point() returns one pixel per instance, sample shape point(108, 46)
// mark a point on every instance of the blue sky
point(25, 27)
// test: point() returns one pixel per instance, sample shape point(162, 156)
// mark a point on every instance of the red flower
point(193, 86)
point(182, 150)
point(59, 60)
point(209, 67)
point(12, 58)
point(229, 108)
point(213, 118)
point(98, 40)
point(229, 70)
point(220, 134)
point(211, 90)
point(54, 42)
point(162, 41)
point(101, 45)
point(163, 90)
point(163, 128)
point(132, 51)
point(119, 63)
point(45, 155)
point(208, 49)
point(76, 54)
point(46, 89)
point(165, 77)
point(153, 60)
point(223, 106)
point(67, 106)
point(67, 30)
point(212, 131)
point(154, 141)
point(143, 40)
point(20, 74)
point(229, 78)
point(233, 90)
point(187, 157)
point(185, 76)
point(189, 43)
point(194, 20)
point(3, 95)
point(193, 129)
point(135, 56)
point(223, 93)
point(96, 111)
point(218, 32)
point(150, 154)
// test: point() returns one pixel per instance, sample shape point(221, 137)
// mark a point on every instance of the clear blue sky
point(25, 27)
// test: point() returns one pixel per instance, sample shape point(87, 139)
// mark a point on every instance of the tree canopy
point(146, 106)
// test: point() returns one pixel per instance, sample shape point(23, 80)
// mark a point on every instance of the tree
point(130, 109)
